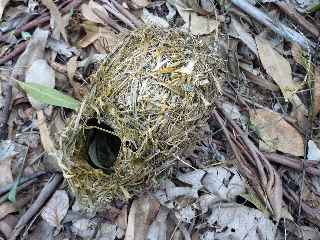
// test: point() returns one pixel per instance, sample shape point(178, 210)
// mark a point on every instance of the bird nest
point(148, 100)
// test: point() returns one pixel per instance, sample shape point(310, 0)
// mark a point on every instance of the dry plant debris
point(254, 160)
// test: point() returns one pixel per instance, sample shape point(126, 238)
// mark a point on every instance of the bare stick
point(44, 195)
point(290, 10)
point(128, 14)
point(281, 29)
point(7, 188)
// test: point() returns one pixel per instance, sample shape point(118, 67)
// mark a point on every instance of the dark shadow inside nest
point(103, 147)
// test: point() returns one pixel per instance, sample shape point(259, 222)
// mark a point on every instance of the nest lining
point(154, 92)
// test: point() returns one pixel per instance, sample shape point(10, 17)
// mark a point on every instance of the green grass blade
point(48, 95)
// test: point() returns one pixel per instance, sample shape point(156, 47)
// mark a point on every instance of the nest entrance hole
point(106, 146)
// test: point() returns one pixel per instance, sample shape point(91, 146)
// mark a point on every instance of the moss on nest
point(155, 91)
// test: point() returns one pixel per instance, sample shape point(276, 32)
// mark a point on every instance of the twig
point(269, 179)
point(294, 163)
point(110, 8)
point(136, 21)
point(281, 29)
point(5, 109)
point(44, 195)
point(17, 50)
point(290, 10)
point(7, 188)
point(22, 46)
point(21, 187)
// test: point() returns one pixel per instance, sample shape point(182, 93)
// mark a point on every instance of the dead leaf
point(158, 229)
point(243, 35)
point(109, 231)
point(277, 67)
point(84, 228)
point(276, 133)
point(280, 70)
point(7, 225)
point(3, 4)
point(89, 14)
point(56, 209)
point(199, 25)
point(41, 73)
point(7, 208)
point(142, 213)
point(46, 141)
point(316, 91)
point(240, 222)
point(34, 51)
point(223, 182)
point(56, 16)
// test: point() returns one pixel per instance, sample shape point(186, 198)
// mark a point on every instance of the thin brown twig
point(294, 163)
point(7, 188)
point(114, 11)
point(35, 23)
point(44, 195)
point(269, 179)
point(136, 21)
point(4, 198)
point(290, 10)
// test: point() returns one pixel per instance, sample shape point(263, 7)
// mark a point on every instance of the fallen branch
point(44, 195)
point(290, 10)
point(281, 29)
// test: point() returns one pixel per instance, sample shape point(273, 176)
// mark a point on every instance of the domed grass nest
point(150, 98)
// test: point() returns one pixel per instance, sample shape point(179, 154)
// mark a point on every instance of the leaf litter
point(51, 48)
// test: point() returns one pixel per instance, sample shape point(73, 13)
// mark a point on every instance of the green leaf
point(13, 192)
point(48, 95)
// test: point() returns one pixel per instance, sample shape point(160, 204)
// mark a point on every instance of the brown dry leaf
point(56, 209)
point(46, 141)
point(142, 212)
point(56, 16)
point(3, 4)
point(244, 35)
point(277, 67)
point(106, 37)
point(280, 70)
point(316, 91)
point(276, 133)
point(89, 14)
point(7, 208)
point(199, 25)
